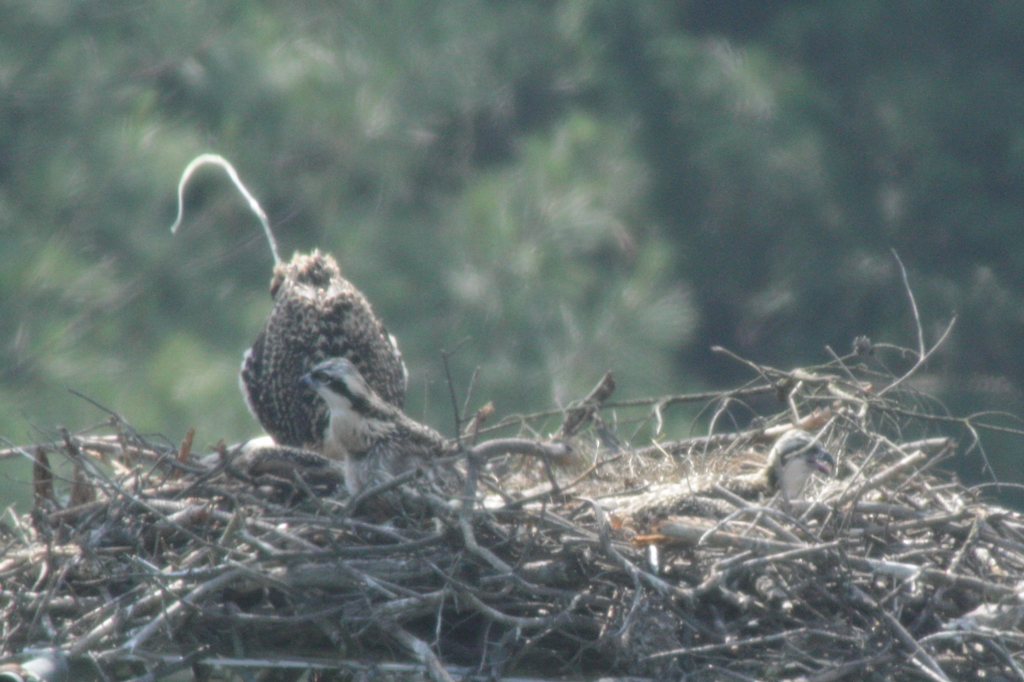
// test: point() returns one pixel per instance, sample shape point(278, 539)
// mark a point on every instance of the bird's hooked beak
point(308, 380)
point(797, 455)
point(821, 460)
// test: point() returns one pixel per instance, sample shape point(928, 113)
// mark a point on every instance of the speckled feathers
point(317, 314)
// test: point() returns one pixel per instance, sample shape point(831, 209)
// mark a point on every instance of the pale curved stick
point(218, 160)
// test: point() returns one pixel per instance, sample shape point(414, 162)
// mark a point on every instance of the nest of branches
point(140, 559)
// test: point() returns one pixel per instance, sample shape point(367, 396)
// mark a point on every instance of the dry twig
point(177, 562)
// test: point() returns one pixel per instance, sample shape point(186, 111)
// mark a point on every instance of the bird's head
point(343, 387)
point(794, 457)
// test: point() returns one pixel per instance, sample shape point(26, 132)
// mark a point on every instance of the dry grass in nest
point(149, 560)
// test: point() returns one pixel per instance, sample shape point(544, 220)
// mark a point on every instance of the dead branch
point(182, 560)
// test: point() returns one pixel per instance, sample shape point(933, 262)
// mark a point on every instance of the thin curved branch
point(254, 206)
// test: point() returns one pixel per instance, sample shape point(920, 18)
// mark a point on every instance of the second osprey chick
point(374, 439)
point(794, 457)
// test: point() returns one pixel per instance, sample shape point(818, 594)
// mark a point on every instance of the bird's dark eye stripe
point(794, 447)
point(803, 447)
point(813, 452)
point(359, 403)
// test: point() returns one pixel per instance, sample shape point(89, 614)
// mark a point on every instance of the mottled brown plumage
point(317, 314)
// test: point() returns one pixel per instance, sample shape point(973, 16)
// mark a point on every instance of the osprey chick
point(794, 457)
point(317, 314)
point(374, 440)
point(790, 462)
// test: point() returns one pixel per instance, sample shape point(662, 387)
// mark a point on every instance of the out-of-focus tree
point(555, 188)
point(455, 157)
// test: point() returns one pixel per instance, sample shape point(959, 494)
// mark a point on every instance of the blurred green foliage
point(555, 189)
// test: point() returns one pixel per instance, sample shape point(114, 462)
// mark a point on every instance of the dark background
point(555, 188)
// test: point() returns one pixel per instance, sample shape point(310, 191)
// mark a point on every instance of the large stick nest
point(140, 559)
